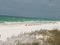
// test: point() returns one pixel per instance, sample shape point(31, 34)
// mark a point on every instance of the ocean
point(4, 19)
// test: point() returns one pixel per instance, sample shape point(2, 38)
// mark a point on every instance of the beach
point(13, 29)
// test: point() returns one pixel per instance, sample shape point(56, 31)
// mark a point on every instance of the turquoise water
point(22, 19)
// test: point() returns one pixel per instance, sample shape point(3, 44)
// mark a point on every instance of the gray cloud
point(31, 8)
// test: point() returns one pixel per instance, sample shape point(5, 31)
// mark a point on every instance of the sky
point(31, 8)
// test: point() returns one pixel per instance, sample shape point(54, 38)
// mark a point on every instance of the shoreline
point(8, 30)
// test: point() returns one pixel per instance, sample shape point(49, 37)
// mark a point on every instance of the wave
point(40, 22)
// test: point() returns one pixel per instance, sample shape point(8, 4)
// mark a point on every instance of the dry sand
point(8, 30)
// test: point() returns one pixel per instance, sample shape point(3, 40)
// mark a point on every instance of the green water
point(21, 19)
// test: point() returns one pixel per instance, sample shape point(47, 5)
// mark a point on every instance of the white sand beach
point(8, 30)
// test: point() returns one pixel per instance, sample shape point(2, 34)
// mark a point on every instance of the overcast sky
point(31, 8)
